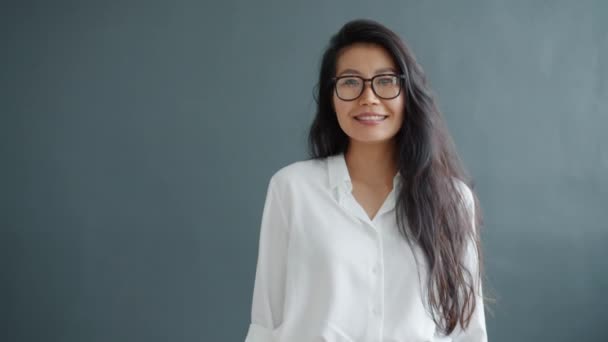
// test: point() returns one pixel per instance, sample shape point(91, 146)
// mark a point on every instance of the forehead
point(365, 58)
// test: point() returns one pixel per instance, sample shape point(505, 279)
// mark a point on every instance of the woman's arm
point(476, 330)
point(269, 287)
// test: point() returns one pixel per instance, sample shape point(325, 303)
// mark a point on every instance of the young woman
point(375, 238)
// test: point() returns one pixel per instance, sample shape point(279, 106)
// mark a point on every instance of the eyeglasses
point(385, 86)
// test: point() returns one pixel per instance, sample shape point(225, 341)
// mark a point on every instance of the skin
point(370, 156)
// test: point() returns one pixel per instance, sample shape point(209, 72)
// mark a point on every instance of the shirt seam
point(276, 195)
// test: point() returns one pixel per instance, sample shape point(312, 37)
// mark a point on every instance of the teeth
point(371, 117)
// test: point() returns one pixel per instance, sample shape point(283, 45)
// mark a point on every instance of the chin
point(371, 140)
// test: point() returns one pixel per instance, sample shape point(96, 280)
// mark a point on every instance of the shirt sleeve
point(269, 285)
point(476, 330)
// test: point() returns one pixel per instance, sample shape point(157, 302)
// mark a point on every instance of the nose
point(368, 96)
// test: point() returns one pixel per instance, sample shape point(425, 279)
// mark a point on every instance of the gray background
point(138, 137)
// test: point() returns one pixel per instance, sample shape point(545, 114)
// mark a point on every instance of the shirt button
point(376, 311)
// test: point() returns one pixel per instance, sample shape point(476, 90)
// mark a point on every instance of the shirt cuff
point(258, 333)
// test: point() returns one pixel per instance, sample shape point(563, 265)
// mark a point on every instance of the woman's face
point(367, 60)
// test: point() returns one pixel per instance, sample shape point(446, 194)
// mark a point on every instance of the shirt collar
point(339, 176)
point(338, 172)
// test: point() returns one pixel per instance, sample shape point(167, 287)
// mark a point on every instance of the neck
point(372, 164)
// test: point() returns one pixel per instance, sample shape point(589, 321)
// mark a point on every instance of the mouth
point(370, 117)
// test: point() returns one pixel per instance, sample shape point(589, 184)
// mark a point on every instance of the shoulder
point(300, 173)
point(466, 196)
point(465, 191)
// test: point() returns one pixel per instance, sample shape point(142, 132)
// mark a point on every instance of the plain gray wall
point(138, 137)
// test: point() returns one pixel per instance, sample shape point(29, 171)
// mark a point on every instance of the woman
point(374, 238)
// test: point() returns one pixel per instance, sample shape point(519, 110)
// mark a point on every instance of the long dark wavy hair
point(429, 203)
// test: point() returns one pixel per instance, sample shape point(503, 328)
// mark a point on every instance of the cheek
point(399, 108)
point(340, 107)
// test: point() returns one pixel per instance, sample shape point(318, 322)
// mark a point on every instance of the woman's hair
point(430, 201)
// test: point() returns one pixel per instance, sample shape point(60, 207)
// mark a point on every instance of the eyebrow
point(378, 71)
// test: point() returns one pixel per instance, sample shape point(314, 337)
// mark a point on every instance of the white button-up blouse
point(326, 272)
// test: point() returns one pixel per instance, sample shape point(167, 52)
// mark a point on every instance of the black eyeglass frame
point(335, 80)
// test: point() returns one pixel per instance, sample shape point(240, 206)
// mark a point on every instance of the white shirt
point(326, 272)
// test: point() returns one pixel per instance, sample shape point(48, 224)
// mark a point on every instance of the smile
point(371, 117)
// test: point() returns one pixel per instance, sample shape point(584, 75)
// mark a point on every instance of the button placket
point(376, 310)
point(380, 276)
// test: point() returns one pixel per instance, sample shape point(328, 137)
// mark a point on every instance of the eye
point(386, 80)
point(349, 82)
